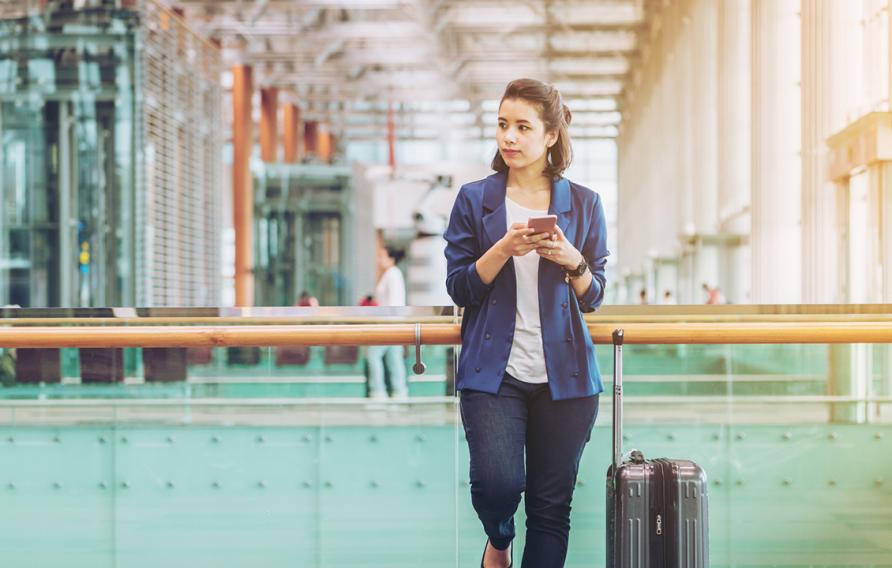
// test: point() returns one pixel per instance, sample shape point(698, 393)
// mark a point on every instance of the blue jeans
point(499, 428)
point(392, 356)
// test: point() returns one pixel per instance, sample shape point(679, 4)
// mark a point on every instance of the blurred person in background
point(389, 291)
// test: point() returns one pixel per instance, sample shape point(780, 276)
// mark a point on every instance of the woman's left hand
point(559, 250)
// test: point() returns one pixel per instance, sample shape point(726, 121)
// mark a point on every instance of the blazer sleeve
point(595, 252)
point(462, 251)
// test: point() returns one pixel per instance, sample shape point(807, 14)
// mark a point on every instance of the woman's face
point(521, 135)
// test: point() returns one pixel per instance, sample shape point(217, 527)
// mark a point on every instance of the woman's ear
point(551, 139)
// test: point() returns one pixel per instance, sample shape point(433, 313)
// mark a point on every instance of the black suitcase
point(656, 508)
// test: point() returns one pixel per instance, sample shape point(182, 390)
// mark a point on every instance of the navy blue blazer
point(477, 222)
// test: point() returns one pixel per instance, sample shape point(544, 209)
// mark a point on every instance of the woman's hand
point(520, 239)
point(559, 250)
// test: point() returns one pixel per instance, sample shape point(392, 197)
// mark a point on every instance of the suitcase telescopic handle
point(617, 398)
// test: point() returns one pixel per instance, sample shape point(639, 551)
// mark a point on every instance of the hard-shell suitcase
point(656, 508)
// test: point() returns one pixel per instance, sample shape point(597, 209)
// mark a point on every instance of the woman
point(527, 373)
point(389, 291)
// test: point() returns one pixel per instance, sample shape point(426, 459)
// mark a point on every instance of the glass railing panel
point(793, 438)
point(215, 372)
point(388, 484)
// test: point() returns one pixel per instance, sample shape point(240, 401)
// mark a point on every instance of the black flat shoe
point(485, 546)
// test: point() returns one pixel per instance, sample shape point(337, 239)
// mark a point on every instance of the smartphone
point(543, 224)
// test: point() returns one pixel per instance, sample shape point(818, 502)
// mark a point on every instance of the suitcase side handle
point(618, 336)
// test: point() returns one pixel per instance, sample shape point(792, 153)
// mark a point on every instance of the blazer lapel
point(560, 206)
point(560, 203)
point(495, 218)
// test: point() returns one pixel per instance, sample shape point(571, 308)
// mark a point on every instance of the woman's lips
point(510, 152)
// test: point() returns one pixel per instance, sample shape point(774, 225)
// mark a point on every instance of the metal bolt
point(261, 484)
point(215, 485)
point(10, 485)
point(170, 439)
point(831, 482)
point(716, 436)
point(419, 483)
point(717, 482)
point(307, 484)
point(788, 481)
point(740, 436)
point(215, 439)
point(670, 437)
point(373, 438)
point(170, 485)
point(878, 436)
point(103, 485)
point(123, 439)
point(260, 439)
point(57, 439)
point(625, 437)
point(327, 484)
point(832, 435)
point(738, 483)
point(101, 439)
point(306, 438)
point(373, 483)
point(580, 483)
point(125, 485)
point(419, 438)
point(327, 438)
point(57, 485)
point(879, 481)
point(788, 435)
point(11, 440)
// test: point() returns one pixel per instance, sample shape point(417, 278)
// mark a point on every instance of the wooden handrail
point(591, 319)
point(431, 334)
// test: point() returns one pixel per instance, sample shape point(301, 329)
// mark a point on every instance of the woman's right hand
point(520, 239)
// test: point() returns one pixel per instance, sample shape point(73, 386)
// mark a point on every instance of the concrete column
point(242, 195)
point(703, 31)
point(776, 171)
point(290, 134)
point(823, 97)
point(323, 144)
point(734, 145)
point(269, 110)
point(311, 136)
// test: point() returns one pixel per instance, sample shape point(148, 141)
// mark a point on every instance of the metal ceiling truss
point(329, 55)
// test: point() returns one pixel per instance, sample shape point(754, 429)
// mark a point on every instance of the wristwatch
point(576, 272)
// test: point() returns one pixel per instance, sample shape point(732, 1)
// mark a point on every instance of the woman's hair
point(395, 253)
point(553, 112)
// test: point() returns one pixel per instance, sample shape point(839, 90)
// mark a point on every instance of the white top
point(391, 288)
point(527, 359)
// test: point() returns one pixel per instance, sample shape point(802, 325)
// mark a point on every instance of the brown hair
point(553, 112)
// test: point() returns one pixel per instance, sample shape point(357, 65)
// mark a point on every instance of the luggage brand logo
point(659, 524)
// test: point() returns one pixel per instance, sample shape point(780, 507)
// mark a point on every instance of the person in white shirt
point(389, 291)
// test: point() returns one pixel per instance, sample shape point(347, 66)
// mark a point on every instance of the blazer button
point(488, 336)
point(493, 302)
point(477, 369)
point(575, 373)
point(564, 304)
point(569, 340)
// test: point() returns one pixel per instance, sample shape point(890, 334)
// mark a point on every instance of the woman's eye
point(503, 126)
point(522, 127)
